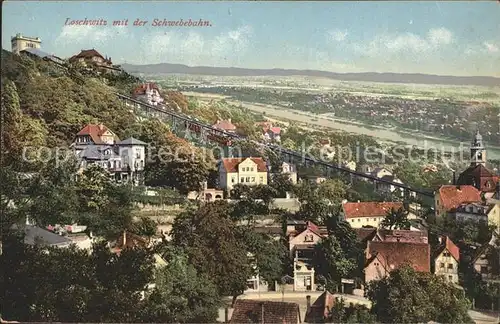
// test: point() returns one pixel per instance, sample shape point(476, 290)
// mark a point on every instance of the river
point(380, 132)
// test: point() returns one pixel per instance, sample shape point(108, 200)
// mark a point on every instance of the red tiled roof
point(452, 196)
point(231, 164)
point(451, 247)
point(88, 54)
point(394, 254)
point(403, 236)
point(224, 125)
point(95, 132)
point(369, 209)
point(275, 130)
point(141, 89)
point(257, 311)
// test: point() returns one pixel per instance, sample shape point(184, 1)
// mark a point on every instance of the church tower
point(477, 151)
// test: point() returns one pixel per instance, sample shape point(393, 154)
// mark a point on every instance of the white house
point(446, 260)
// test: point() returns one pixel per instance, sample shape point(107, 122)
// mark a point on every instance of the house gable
point(308, 236)
point(247, 166)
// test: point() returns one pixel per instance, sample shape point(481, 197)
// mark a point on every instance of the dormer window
point(308, 238)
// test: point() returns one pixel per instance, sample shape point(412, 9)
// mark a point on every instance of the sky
point(446, 38)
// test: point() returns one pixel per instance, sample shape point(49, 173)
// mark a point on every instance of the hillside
point(166, 68)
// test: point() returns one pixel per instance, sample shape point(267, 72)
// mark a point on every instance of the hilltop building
point(20, 43)
point(93, 60)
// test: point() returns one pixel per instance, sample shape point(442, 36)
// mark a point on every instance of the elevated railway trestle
point(211, 134)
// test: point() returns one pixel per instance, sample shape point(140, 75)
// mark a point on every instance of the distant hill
point(167, 68)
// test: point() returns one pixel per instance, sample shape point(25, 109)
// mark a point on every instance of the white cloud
point(86, 34)
point(439, 36)
point(337, 35)
point(490, 47)
point(194, 48)
point(406, 42)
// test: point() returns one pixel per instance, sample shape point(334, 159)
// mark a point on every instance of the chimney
point(454, 178)
point(308, 309)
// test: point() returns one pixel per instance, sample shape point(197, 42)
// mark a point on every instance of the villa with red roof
point(359, 214)
point(446, 260)
point(93, 59)
point(148, 93)
point(270, 132)
point(96, 144)
point(247, 171)
point(383, 257)
point(448, 198)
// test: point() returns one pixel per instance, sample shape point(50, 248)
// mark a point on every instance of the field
point(324, 85)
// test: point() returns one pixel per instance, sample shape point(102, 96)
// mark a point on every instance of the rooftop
point(369, 209)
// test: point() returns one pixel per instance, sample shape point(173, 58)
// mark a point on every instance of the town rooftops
point(395, 254)
point(448, 244)
point(451, 196)
point(231, 164)
point(369, 209)
point(131, 141)
point(257, 311)
point(224, 125)
point(95, 132)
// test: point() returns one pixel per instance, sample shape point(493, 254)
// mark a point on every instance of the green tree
point(407, 296)
point(52, 193)
point(396, 219)
point(181, 295)
point(210, 239)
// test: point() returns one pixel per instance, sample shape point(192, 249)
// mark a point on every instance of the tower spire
point(477, 150)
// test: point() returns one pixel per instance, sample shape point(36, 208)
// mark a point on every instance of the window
point(233, 180)
point(359, 219)
point(441, 265)
point(446, 254)
point(450, 278)
point(484, 269)
point(308, 238)
point(251, 169)
point(261, 179)
point(253, 179)
point(450, 266)
point(374, 219)
point(376, 264)
point(352, 220)
point(242, 179)
point(247, 179)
